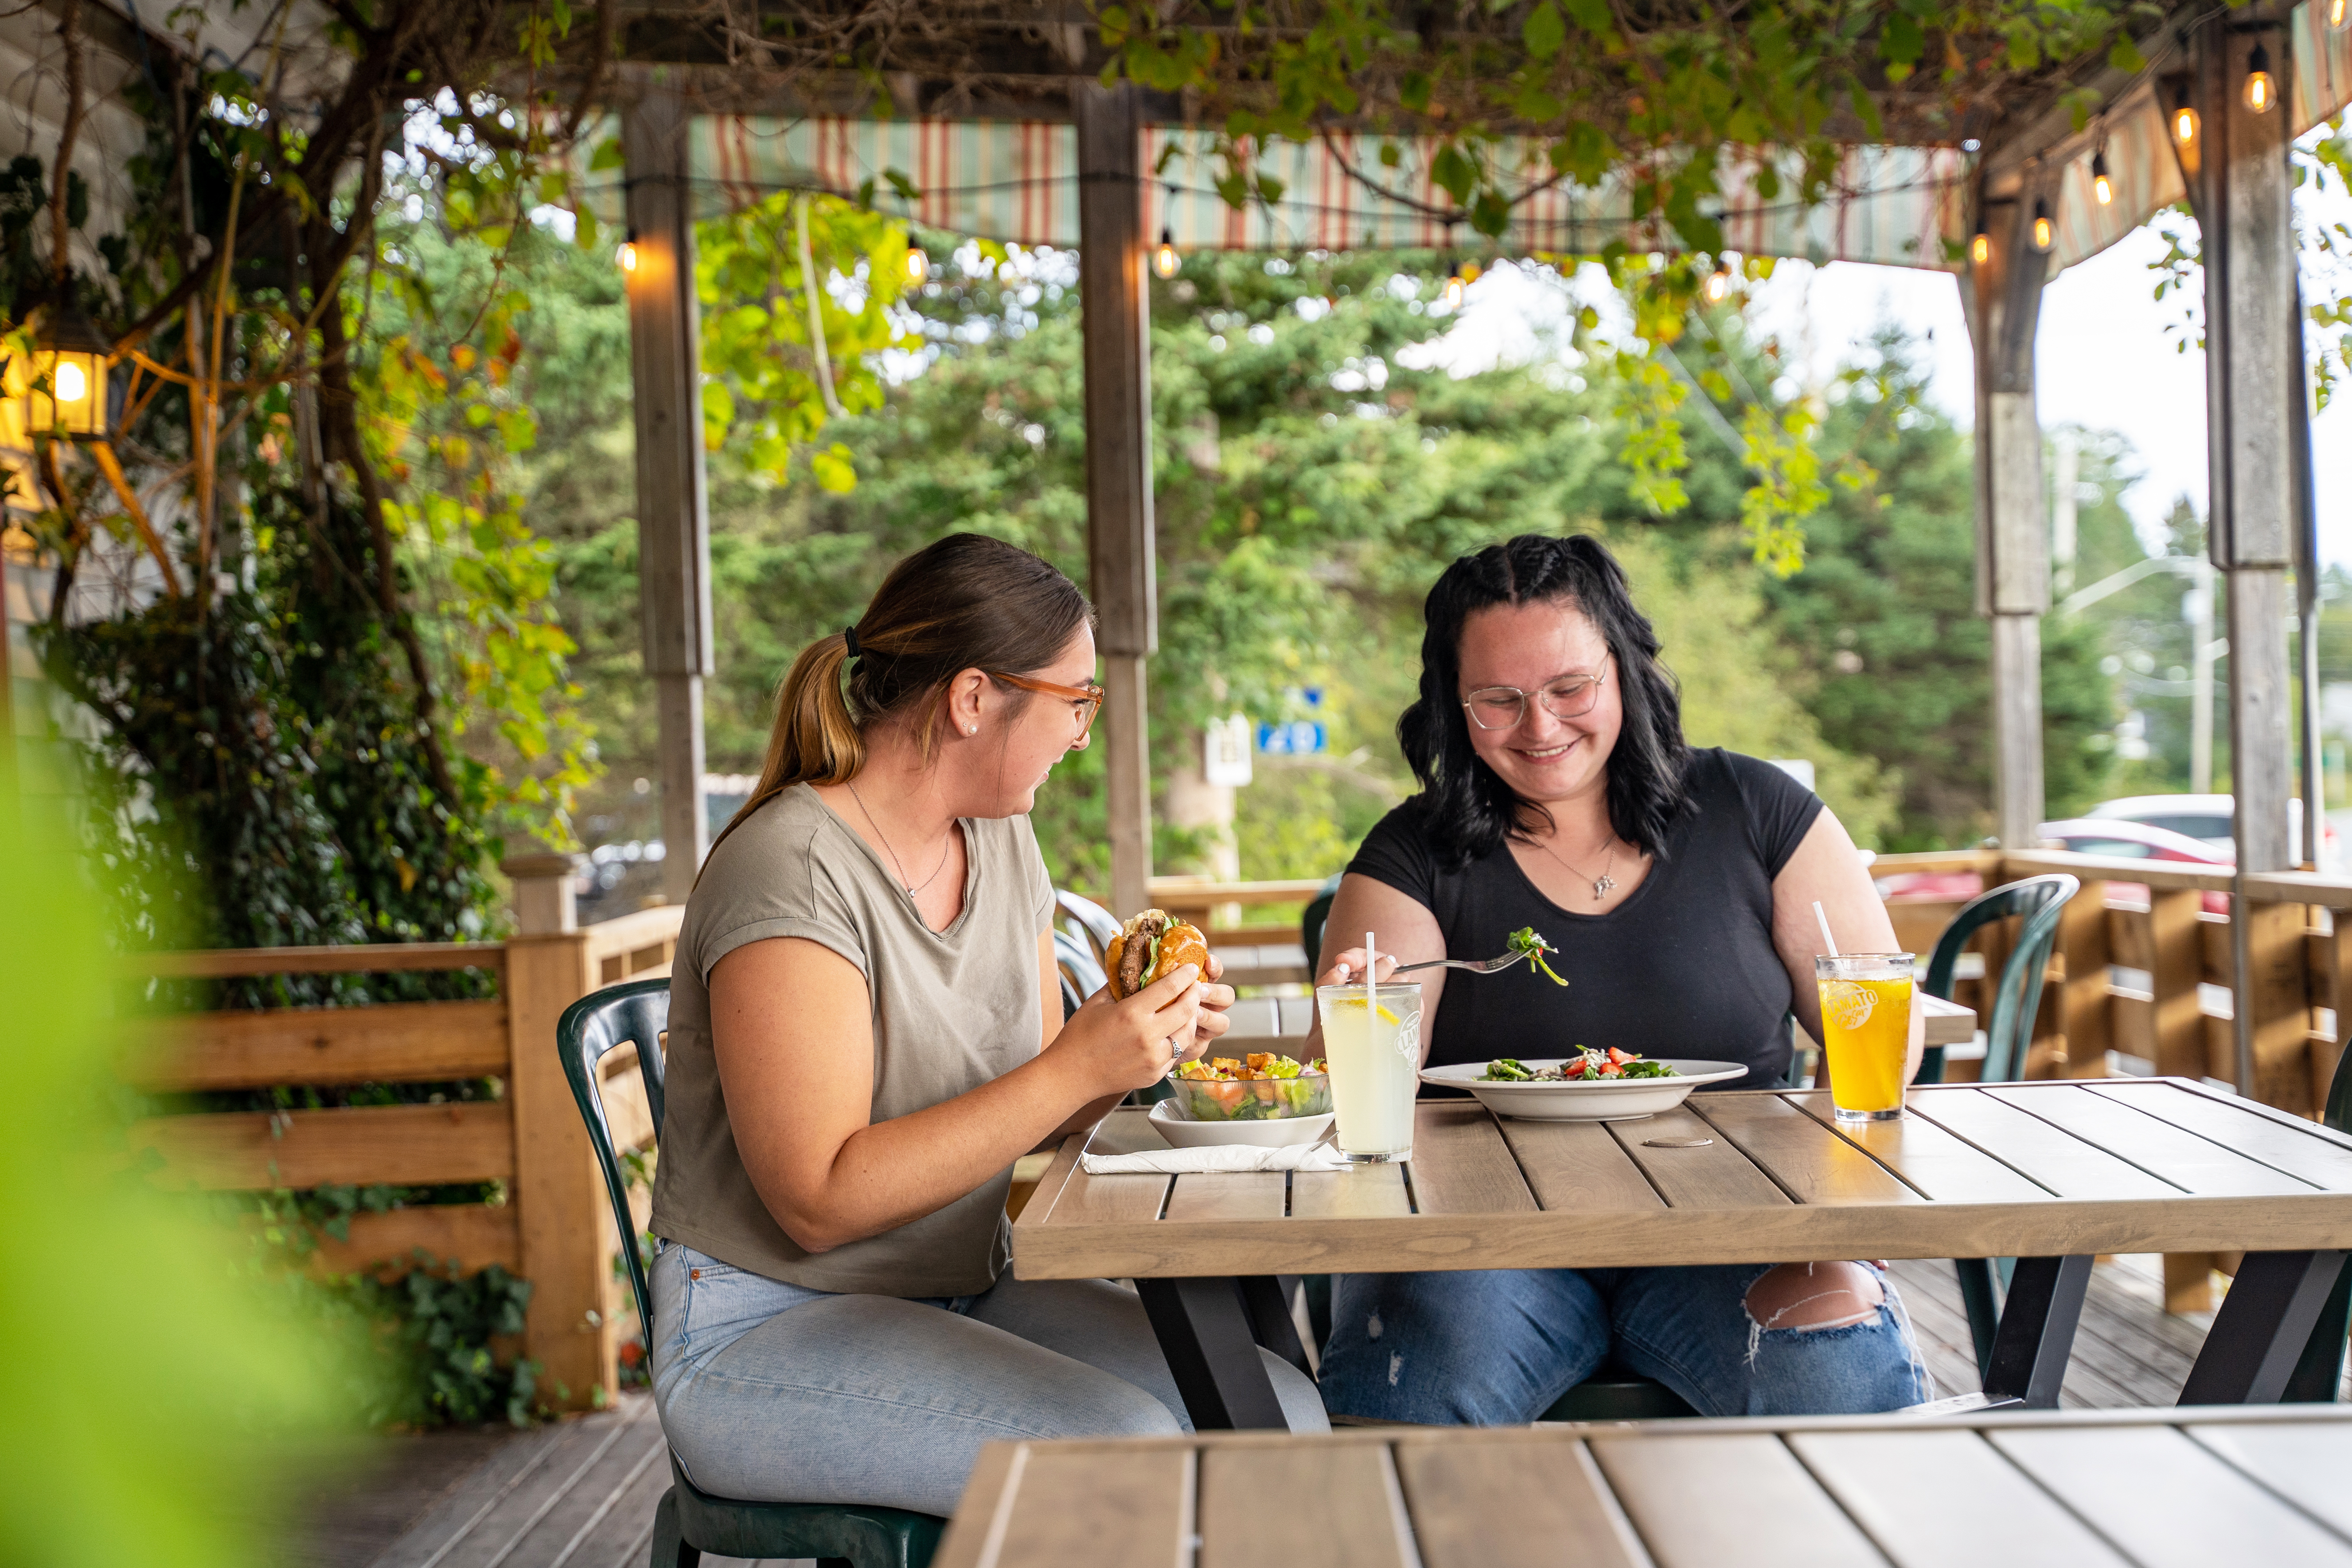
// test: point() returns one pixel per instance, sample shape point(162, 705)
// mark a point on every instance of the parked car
point(2114, 837)
point(2123, 839)
point(2207, 817)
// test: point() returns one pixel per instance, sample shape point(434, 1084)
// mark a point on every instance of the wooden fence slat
point(404, 1146)
point(366, 958)
point(471, 1235)
point(2176, 934)
point(403, 1042)
point(2280, 1004)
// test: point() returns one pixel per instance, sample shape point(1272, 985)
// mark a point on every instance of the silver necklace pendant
point(1601, 885)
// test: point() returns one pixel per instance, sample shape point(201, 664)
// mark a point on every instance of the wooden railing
point(555, 1228)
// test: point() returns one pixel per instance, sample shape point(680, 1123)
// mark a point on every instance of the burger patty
point(1137, 953)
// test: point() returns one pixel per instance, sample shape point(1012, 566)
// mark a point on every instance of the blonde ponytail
point(815, 738)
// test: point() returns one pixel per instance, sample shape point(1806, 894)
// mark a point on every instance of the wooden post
point(2238, 187)
point(673, 522)
point(2003, 296)
point(2082, 1003)
point(1116, 304)
point(559, 1193)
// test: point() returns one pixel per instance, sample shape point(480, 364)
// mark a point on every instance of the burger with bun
point(1147, 947)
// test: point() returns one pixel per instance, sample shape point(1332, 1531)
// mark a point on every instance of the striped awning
point(1901, 206)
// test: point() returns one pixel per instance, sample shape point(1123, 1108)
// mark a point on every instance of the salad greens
point(1586, 1067)
point(1524, 940)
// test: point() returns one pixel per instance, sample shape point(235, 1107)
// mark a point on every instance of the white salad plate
point(1584, 1099)
point(1276, 1133)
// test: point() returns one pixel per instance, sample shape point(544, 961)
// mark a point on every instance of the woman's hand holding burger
point(1120, 1044)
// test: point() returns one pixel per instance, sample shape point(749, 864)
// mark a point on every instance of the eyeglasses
point(1503, 707)
point(1087, 698)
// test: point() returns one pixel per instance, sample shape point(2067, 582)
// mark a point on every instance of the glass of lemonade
point(1866, 1001)
point(1375, 1052)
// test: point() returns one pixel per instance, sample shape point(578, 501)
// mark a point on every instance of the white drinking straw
point(1371, 967)
point(1827, 939)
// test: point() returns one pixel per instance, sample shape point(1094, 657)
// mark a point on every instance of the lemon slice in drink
point(1386, 1016)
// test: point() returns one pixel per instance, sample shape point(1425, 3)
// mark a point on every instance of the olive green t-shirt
point(951, 1010)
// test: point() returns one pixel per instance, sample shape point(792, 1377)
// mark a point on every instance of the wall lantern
point(69, 396)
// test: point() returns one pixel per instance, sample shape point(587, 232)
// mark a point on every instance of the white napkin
point(1216, 1158)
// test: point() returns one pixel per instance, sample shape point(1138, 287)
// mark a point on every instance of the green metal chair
point(690, 1522)
point(2009, 1034)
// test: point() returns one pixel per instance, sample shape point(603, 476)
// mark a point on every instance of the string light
point(2262, 92)
point(626, 254)
point(1718, 284)
point(919, 264)
point(2045, 233)
point(2184, 117)
point(2338, 13)
point(1980, 244)
point(1164, 260)
point(1456, 285)
point(2101, 185)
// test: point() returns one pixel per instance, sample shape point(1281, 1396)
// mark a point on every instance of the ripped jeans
point(1494, 1348)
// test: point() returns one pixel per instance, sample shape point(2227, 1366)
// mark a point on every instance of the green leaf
point(2124, 55)
point(1412, 91)
point(607, 156)
point(1592, 16)
point(834, 469)
point(1543, 32)
point(1453, 173)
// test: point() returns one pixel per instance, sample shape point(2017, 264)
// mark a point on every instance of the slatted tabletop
point(2045, 1489)
point(2002, 1170)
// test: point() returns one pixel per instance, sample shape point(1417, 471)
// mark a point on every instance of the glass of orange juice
point(1866, 1031)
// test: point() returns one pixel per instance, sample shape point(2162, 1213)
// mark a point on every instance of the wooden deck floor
point(581, 1494)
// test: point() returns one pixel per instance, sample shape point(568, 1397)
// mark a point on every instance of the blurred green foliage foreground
point(153, 1375)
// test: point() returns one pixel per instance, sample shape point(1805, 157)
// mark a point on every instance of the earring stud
point(971, 729)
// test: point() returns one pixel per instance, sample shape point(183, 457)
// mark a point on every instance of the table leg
point(1266, 1299)
point(2037, 1330)
point(2262, 1326)
point(1203, 1328)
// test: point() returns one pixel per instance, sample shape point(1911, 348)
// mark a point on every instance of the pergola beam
point(1115, 306)
point(673, 520)
point(2239, 182)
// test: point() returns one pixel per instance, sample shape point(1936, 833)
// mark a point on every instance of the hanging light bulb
point(2338, 13)
point(2101, 185)
point(1980, 244)
point(1164, 260)
point(2184, 119)
point(2045, 233)
point(2262, 92)
point(626, 254)
point(919, 264)
point(1455, 285)
point(1718, 284)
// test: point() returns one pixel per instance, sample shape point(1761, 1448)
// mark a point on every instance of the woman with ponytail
point(865, 1031)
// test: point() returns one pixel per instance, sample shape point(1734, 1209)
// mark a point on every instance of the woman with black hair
point(1556, 791)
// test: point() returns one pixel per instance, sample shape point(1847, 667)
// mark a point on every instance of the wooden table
point(2051, 1173)
point(2019, 1490)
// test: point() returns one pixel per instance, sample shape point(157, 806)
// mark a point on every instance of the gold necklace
point(1601, 884)
point(901, 869)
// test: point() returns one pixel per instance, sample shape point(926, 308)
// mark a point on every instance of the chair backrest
point(2009, 1031)
point(1096, 924)
point(1081, 975)
point(1311, 923)
point(600, 1022)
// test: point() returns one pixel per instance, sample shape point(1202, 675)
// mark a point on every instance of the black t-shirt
point(1684, 967)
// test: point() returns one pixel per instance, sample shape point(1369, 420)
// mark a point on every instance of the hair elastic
point(849, 636)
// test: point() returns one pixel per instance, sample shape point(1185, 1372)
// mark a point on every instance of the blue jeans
point(1495, 1348)
point(771, 1391)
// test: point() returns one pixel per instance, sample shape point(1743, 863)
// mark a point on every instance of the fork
point(1474, 965)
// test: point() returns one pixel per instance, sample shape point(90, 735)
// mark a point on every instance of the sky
point(2104, 357)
